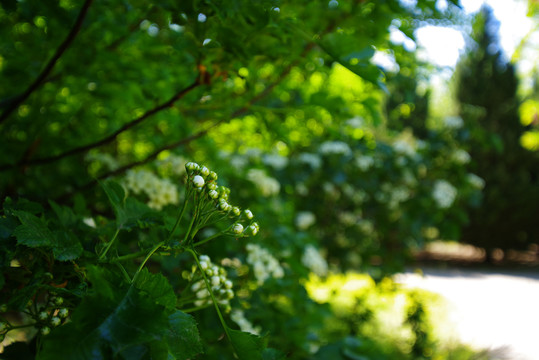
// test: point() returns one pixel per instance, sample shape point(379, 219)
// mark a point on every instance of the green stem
point(193, 309)
point(189, 229)
point(102, 256)
point(187, 193)
point(155, 248)
point(225, 327)
point(124, 273)
point(208, 239)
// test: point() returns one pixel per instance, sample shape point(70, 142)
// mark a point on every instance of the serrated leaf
point(139, 215)
point(66, 246)
point(246, 345)
point(130, 213)
point(65, 214)
point(157, 287)
point(110, 320)
point(116, 194)
point(182, 336)
point(33, 231)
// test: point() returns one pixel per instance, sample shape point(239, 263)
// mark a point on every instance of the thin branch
point(241, 111)
point(50, 65)
point(109, 138)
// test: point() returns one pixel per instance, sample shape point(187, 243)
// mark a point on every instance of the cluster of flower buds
point(203, 179)
point(52, 318)
point(220, 285)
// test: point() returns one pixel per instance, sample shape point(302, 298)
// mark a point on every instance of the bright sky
point(443, 46)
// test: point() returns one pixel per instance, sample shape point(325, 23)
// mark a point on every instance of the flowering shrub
point(88, 289)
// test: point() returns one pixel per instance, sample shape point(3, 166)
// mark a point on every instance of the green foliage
point(125, 250)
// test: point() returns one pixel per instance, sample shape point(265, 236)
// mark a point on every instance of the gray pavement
point(498, 311)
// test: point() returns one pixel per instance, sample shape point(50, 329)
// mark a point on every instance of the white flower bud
point(192, 166)
point(213, 194)
point(213, 175)
point(203, 293)
point(209, 272)
point(204, 171)
point(253, 228)
point(45, 330)
point(63, 313)
point(238, 228)
point(55, 321)
point(198, 181)
point(215, 281)
point(236, 211)
point(228, 284)
point(248, 214)
point(203, 265)
point(42, 315)
point(212, 186)
point(196, 286)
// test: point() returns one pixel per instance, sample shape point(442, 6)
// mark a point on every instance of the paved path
point(490, 310)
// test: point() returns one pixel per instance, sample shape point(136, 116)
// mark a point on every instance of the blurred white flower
point(312, 160)
point(404, 147)
point(314, 261)
point(245, 325)
point(304, 220)
point(461, 157)
point(267, 185)
point(334, 147)
point(277, 162)
point(476, 181)
point(263, 263)
point(160, 192)
point(453, 122)
point(444, 193)
point(364, 162)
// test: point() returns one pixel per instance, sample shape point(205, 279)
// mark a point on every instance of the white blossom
point(453, 122)
point(476, 181)
point(239, 318)
point(304, 220)
point(267, 185)
point(461, 157)
point(276, 161)
point(444, 193)
point(334, 147)
point(314, 261)
point(364, 162)
point(263, 263)
point(160, 192)
point(312, 160)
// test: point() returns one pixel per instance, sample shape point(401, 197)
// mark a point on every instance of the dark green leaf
point(33, 231)
point(246, 345)
point(182, 336)
point(66, 246)
point(65, 214)
point(110, 319)
point(157, 287)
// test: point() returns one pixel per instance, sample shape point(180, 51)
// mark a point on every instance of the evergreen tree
point(487, 92)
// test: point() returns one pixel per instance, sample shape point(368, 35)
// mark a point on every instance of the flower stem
point(102, 256)
point(154, 249)
point(225, 327)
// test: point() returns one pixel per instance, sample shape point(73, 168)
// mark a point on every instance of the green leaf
point(182, 336)
point(116, 194)
point(33, 231)
point(139, 215)
point(111, 319)
point(65, 214)
point(157, 287)
point(130, 213)
point(66, 246)
point(246, 345)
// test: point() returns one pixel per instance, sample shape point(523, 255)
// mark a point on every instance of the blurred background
point(370, 138)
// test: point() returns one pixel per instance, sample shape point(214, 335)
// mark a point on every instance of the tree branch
point(109, 138)
point(50, 65)
point(241, 111)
